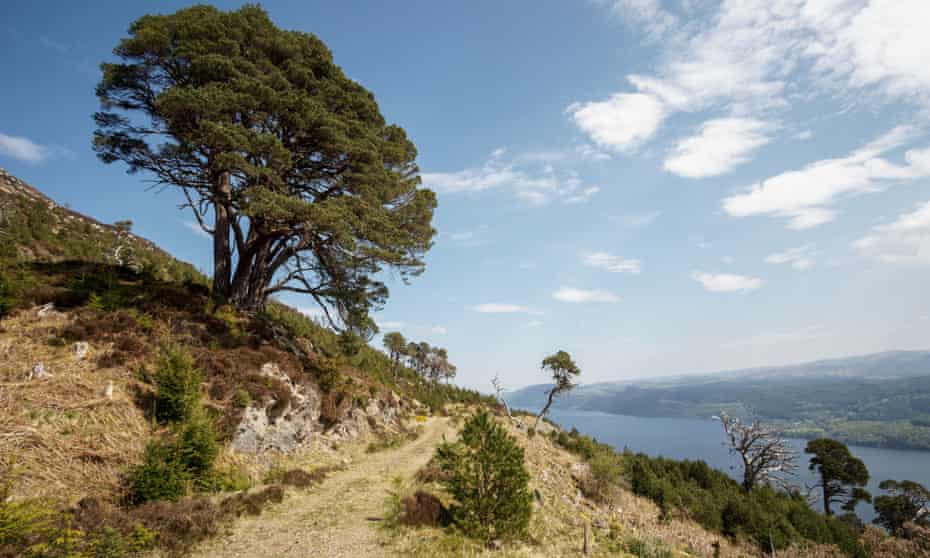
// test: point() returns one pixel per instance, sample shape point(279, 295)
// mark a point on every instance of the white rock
point(80, 349)
point(39, 372)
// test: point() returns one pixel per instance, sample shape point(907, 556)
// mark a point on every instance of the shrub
point(605, 473)
point(6, 297)
point(177, 385)
point(488, 480)
point(169, 467)
point(197, 448)
point(160, 476)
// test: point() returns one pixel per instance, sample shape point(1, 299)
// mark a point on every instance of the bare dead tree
point(767, 458)
point(499, 391)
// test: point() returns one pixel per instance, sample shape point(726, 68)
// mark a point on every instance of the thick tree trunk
point(826, 501)
point(222, 255)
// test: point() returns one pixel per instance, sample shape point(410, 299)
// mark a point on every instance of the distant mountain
point(878, 399)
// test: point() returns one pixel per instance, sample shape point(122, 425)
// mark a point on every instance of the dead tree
point(767, 458)
point(499, 393)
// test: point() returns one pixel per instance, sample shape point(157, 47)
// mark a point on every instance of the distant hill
point(879, 399)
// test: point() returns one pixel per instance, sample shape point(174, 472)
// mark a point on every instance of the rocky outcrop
point(286, 426)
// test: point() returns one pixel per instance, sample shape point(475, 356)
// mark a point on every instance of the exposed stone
point(80, 349)
point(267, 426)
point(39, 372)
point(108, 391)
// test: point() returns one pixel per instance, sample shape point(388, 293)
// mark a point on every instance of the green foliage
point(488, 480)
point(201, 79)
point(160, 476)
point(770, 518)
point(908, 501)
point(170, 467)
point(177, 385)
point(842, 475)
point(6, 296)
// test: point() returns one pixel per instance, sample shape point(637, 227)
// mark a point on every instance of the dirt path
point(336, 519)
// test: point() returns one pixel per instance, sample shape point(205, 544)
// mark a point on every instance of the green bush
point(6, 296)
point(177, 385)
point(170, 467)
point(160, 476)
point(197, 448)
point(488, 480)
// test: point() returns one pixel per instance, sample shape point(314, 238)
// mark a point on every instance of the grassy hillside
point(84, 338)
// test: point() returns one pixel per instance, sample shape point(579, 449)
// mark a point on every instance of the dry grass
point(560, 515)
point(69, 440)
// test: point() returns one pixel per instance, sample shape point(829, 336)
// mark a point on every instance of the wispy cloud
point(530, 184)
point(571, 294)
point(754, 58)
point(726, 282)
point(612, 263)
point(803, 196)
point(23, 149)
point(504, 308)
point(439, 330)
point(906, 240)
point(800, 258)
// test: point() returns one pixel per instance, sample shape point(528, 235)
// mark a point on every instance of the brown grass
point(68, 439)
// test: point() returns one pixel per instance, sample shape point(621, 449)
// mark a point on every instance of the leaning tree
point(563, 370)
point(287, 163)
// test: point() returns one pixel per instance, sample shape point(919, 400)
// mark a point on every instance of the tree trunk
point(826, 501)
point(222, 256)
point(544, 409)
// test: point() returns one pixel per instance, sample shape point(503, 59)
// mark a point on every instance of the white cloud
point(647, 12)
point(23, 149)
point(439, 330)
point(906, 240)
point(622, 122)
point(503, 308)
point(801, 195)
point(805, 135)
point(749, 58)
point(582, 196)
point(612, 263)
point(720, 146)
point(800, 258)
point(726, 282)
point(196, 229)
point(533, 185)
point(727, 260)
point(569, 294)
point(534, 323)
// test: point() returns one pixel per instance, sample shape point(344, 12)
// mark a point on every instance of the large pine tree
point(285, 161)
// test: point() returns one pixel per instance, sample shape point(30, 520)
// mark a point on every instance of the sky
point(655, 186)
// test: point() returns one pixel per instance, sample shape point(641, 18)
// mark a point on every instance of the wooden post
point(587, 538)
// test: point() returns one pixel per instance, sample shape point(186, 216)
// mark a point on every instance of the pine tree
point(488, 479)
point(287, 163)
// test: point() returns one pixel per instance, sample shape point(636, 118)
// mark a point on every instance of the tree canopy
point(842, 475)
point(284, 160)
point(907, 501)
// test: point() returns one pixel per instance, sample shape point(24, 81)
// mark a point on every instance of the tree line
point(768, 459)
point(429, 362)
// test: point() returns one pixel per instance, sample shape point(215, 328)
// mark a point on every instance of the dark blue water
point(703, 439)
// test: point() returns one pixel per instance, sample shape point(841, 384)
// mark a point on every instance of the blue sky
point(656, 186)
